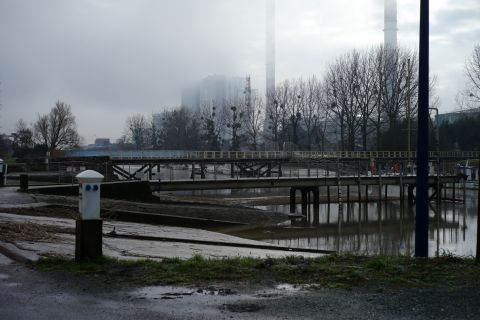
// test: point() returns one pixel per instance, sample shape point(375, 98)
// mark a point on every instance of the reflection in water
point(371, 228)
point(367, 228)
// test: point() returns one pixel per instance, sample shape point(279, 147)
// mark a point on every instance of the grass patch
point(332, 271)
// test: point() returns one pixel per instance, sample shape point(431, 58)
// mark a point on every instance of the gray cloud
point(113, 58)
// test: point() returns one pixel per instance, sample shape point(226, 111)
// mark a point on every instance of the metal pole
point(477, 256)
point(421, 204)
point(409, 163)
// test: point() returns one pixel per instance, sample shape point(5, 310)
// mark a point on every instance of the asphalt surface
point(29, 294)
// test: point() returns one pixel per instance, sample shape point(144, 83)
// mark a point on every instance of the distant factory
point(214, 90)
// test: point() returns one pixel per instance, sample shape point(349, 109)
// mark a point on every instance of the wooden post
point(316, 203)
point(454, 193)
point(304, 201)
point(293, 202)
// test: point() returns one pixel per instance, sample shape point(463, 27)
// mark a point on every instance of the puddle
point(4, 276)
point(243, 307)
point(169, 293)
point(287, 287)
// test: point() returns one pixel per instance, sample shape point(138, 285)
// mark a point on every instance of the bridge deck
point(288, 182)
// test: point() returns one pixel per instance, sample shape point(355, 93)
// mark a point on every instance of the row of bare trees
point(362, 95)
point(228, 126)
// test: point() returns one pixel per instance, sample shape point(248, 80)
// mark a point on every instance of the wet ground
point(28, 294)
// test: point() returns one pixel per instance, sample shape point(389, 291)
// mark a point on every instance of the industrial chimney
point(270, 53)
point(390, 24)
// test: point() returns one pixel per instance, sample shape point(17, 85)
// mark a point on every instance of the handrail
point(242, 155)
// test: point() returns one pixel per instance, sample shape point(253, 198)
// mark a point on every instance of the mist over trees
point(363, 100)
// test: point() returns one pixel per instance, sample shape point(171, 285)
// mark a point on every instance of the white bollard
point(88, 232)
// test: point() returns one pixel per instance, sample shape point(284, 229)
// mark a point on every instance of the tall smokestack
point(390, 24)
point(270, 53)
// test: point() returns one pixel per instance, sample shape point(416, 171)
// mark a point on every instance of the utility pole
point(477, 256)
point(421, 205)
point(409, 162)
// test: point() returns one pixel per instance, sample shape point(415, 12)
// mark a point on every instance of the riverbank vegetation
point(332, 271)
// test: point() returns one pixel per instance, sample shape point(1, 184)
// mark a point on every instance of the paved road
point(28, 294)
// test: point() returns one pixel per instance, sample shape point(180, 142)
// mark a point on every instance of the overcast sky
point(110, 59)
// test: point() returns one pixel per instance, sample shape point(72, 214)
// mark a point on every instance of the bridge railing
point(234, 155)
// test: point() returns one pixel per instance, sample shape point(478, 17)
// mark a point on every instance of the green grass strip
point(343, 271)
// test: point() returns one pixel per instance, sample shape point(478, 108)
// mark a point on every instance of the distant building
point(213, 90)
point(102, 142)
point(452, 117)
point(157, 119)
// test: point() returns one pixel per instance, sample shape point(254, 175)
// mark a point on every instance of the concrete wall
point(125, 190)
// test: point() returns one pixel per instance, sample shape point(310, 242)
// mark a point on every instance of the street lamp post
point(421, 205)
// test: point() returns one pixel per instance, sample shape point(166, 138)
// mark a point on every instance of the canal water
point(372, 228)
point(367, 228)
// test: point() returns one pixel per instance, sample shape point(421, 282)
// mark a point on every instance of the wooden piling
point(293, 201)
point(304, 201)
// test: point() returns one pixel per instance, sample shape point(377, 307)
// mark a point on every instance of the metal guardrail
point(293, 155)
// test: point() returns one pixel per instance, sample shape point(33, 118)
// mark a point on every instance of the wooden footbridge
point(242, 163)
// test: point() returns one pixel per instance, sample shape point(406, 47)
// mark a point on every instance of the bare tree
point(472, 69)
point(23, 135)
point(398, 82)
point(312, 110)
point(211, 122)
point(274, 126)
point(395, 92)
point(253, 120)
point(181, 130)
point(57, 129)
point(342, 86)
point(137, 130)
point(295, 95)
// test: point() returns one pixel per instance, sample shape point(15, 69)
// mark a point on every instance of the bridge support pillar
point(316, 203)
point(279, 169)
point(232, 170)
point(150, 167)
point(410, 194)
point(202, 171)
point(305, 193)
point(293, 203)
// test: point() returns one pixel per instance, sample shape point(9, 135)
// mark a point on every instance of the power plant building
point(214, 90)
